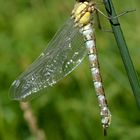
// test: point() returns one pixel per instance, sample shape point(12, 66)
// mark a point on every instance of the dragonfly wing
point(63, 54)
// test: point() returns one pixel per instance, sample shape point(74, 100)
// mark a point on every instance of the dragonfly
point(63, 54)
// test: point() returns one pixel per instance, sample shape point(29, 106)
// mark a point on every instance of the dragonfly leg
point(99, 24)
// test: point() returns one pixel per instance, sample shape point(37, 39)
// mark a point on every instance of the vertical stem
point(32, 121)
point(133, 79)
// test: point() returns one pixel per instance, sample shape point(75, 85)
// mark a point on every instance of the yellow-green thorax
point(82, 13)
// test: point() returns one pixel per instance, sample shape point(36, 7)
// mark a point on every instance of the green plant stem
point(133, 79)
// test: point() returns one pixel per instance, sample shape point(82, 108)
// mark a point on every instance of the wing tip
point(14, 93)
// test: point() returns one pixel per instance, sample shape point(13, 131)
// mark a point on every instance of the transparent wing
point(64, 52)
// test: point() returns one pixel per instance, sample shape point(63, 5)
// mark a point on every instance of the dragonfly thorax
point(82, 13)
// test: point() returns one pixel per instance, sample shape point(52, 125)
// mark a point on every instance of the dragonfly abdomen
point(90, 43)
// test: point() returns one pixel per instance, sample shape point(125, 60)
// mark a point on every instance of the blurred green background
point(69, 110)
